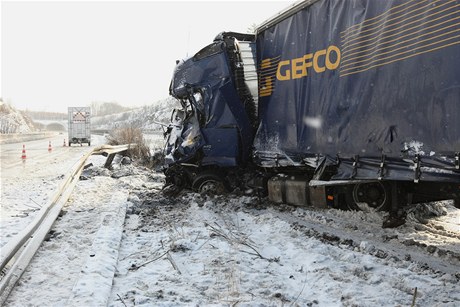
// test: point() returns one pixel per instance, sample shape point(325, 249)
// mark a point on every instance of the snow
point(147, 117)
point(414, 148)
point(12, 121)
point(119, 241)
point(26, 186)
point(313, 122)
point(94, 283)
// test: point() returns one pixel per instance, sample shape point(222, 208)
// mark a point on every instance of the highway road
point(27, 184)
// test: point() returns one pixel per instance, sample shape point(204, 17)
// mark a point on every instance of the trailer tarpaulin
point(365, 78)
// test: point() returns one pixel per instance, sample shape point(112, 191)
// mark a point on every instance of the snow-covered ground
point(28, 184)
point(120, 242)
point(13, 121)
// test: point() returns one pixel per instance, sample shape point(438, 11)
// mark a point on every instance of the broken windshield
point(184, 136)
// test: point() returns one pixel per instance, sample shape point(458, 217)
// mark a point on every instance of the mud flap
point(396, 217)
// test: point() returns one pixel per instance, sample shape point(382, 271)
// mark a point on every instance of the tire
point(369, 196)
point(210, 183)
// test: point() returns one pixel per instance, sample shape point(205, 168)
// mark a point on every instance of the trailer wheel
point(209, 183)
point(369, 196)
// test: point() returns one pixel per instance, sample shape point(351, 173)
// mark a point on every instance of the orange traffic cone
point(49, 147)
point(23, 157)
point(64, 144)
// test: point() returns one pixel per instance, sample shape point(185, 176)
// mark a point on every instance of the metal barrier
point(34, 234)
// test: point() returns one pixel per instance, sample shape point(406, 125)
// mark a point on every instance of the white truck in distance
point(79, 125)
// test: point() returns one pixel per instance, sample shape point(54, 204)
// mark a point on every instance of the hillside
point(14, 121)
point(146, 117)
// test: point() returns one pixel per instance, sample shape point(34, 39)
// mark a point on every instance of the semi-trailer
point(79, 119)
point(333, 103)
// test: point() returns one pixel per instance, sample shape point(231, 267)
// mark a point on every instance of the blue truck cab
point(212, 133)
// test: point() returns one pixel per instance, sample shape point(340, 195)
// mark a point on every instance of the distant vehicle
point(79, 125)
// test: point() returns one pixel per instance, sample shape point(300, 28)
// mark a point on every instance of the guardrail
point(21, 249)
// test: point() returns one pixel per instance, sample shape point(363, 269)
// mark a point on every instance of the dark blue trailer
point(357, 104)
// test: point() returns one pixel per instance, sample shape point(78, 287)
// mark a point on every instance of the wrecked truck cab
point(211, 135)
point(183, 137)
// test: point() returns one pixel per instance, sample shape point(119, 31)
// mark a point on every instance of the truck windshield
point(183, 134)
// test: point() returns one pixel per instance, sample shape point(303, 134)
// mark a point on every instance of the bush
point(131, 135)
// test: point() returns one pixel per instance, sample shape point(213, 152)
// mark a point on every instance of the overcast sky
point(61, 53)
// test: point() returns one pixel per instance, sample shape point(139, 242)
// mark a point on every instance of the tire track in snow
point(352, 230)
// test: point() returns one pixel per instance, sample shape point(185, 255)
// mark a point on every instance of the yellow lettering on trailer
point(283, 74)
point(316, 67)
point(298, 68)
point(329, 64)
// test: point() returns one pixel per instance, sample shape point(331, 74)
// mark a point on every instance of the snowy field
point(120, 242)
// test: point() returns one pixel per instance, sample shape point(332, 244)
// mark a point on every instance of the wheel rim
point(370, 195)
point(211, 186)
